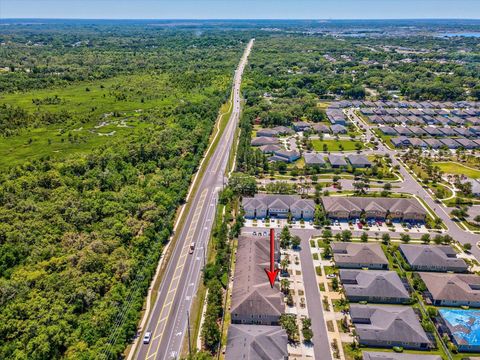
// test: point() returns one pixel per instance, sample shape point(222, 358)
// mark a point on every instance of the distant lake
point(464, 34)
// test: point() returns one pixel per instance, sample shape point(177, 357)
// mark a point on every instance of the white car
point(331, 276)
point(147, 337)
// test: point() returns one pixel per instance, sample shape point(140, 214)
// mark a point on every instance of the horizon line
point(241, 19)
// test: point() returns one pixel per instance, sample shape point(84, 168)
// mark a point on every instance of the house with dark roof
point(403, 131)
point(359, 161)
point(433, 143)
point(358, 256)
point(433, 131)
point(374, 286)
point(400, 141)
point(269, 149)
point(338, 129)
point(278, 206)
point(439, 258)
point(466, 143)
point(256, 342)
point(373, 355)
point(263, 140)
point(417, 131)
point(283, 155)
point(387, 130)
point(314, 159)
point(389, 326)
point(267, 133)
point(337, 161)
point(452, 289)
point(301, 126)
point(283, 130)
point(254, 301)
point(450, 143)
point(373, 208)
point(447, 131)
point(463, 132)
point(418, 143)
point(321, 128)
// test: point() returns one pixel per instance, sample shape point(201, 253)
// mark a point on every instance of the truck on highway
point(192, 247)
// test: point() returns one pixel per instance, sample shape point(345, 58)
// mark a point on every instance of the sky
point(240, 9)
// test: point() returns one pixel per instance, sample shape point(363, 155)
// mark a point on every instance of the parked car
point(254, 233)
point(359, 225)
point(331, 276)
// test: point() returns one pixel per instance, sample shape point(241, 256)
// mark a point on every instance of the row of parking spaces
point(279, 223)
point(378, 226)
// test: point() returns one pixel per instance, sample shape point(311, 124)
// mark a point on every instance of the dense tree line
point(80, 236)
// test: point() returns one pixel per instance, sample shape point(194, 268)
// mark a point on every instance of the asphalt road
point(168, 318)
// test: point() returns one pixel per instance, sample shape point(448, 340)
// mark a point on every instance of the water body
point(462, 34)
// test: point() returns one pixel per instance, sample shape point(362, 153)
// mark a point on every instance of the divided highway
point(168, 318)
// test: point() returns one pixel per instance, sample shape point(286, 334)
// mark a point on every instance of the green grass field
point(458, 169)
point(116, 101)
point(334, 145)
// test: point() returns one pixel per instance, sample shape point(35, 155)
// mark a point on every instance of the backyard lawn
point(334, 145)
point(458, 169)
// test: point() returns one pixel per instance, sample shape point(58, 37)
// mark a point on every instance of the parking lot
point(353, 225)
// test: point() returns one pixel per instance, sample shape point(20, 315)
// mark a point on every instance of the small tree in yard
point(364, 237)
point(425, 238)
point(289, 323)
point(477, 219)
point(307, 330)
point(346, 235)
point(386, 239)
point(285, 238)
point(285, 286)
point(327, 235)
point(467, 246)
point(296, 241)
point(405, 238)
point(335, 284)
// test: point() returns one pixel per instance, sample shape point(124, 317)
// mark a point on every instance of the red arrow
point(272, 273)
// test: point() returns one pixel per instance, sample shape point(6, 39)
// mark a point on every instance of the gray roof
point(337, 160)
point(371, 355)
point(434, 143)
point(450, 143)
point(267, 132)
point(452, 287)
point(265, 201)
point(388, 130)
point(429, 255)
point(447, 131)
point(263, 140)
point(256, 342)
point(373, 283)
point(314, 158)
point(392, 205)
point(387, 323)
point(283, 130)
point(344, 253)
point(270, 148)
point(418, 142)
point(252, 294)
point(321, 128)
point(338, 129)
point(359, 160)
